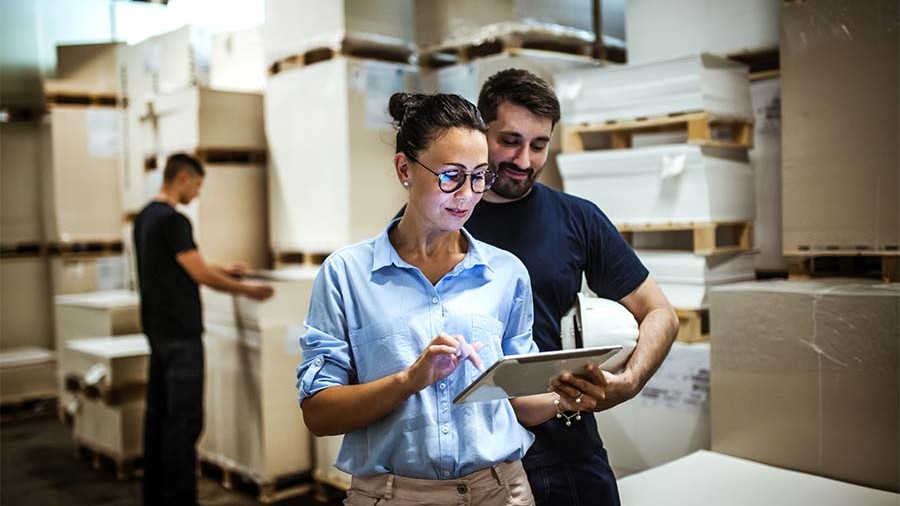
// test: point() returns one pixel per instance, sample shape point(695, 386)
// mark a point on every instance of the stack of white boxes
point(253, 423)
point(663, 180)
point(332, 180)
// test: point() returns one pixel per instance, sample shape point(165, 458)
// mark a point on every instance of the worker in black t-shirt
point(561, 238)
point(170, 270)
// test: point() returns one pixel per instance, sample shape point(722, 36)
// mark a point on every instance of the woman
point(400, 324)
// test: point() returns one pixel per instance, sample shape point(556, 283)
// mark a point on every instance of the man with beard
point(561, 238)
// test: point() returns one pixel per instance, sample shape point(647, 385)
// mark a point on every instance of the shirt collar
point(385, 254)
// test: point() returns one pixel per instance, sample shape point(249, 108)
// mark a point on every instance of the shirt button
point(446, 472)
point(445, 429)
point(443, 386)
point(462, 489)
point(318, 361)
point(434, 300)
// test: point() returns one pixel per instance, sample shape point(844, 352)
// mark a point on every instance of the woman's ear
point(401, 165)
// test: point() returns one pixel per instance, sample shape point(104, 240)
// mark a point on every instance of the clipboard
point(517, 375)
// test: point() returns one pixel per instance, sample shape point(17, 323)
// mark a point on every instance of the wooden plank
point(705, 235)
point(693, 325)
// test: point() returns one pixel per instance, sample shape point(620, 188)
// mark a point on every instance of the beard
point(510, 188)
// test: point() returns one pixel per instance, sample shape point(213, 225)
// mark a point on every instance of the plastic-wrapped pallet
point(27, 373)
point(83, 273)
point(108, 365)
point(338, 185)
point(466, 80)
point(660, 29)
point(96, 314)
point(237, 62)
point(115, 431)
point(20, 201)
point(81, 176)
point(667, 420)
point(663, 184)
point(166, 63)
point(291, 28)
point(765, 157)
point(253, 423)
point(703, 82)
point(85, 69)
point(25, 292)
point(327, 449)
point(685, 278)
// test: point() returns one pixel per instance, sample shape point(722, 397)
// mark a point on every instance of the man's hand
point(258, 291)
point(238, 269)
point(596, 390)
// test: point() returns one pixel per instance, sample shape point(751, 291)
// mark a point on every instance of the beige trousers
point(504, 484)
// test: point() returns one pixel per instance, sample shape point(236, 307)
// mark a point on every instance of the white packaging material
point(667, 420)
point(712, 479)
point(25, 303)
point(703, 82)
point(327, 449)
point(116, 431)
point(338, 186)
point(765, 157)
point(663, 184)
point(108, 362)
point(27, 373)
point(96, 314)
point(237, 62)
point(290, 29)
point(661, 29)
point(685, 278)
point(83, 274)
point(20, 201)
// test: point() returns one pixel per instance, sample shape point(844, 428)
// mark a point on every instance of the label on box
point(682, 381)
point(382, 81)
point(292, 339)
point(104, 129)
point(460, 80)
point(111, 273)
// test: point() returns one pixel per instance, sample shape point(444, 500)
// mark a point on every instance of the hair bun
point(403, 104)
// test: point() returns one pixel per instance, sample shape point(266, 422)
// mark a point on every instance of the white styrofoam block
point(710, 479)
point(695, 83)
point(662, 184)
point(660, 29)
point(685, 278)
point(765, 157)
point(667, 420)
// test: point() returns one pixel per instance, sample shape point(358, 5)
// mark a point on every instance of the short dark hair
point(179, 162)
point(421, 118)
point(519, 87)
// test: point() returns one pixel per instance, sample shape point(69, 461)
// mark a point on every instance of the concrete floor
point(38, 467)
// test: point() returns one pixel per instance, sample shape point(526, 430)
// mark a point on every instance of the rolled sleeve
point(518, 338)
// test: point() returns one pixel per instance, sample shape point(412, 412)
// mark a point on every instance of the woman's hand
point(441, 357)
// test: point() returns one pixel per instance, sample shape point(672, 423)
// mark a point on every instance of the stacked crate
point(254, 429)
point(661, 148)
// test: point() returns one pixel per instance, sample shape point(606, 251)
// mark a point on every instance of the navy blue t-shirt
point(170, 298)
point(559, 237)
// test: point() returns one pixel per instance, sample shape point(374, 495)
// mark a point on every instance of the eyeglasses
point(452, 179)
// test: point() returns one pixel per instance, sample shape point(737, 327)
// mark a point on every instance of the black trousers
point(173, 421)
point(588, 482)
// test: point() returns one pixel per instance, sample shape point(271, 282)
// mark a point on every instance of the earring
point(406, 184)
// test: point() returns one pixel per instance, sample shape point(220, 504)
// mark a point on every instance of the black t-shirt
point(559, 237)
point(170, 298)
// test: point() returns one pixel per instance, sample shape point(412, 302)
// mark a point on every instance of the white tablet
point(517, 375)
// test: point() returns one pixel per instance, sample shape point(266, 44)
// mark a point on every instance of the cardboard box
point(805, 377)
point(84, 274)
point(667, 420)
point(231, 222)
point(841, 128)
point(659, 29)
point(116, 431)
point(712, 479)
point(290, 30)
point(27, 373)
point(466, 80)
point(85, 69)
point(166, 63)
point(252, 351)
point(663, 184)
point(96, 314)
point(205, 119)
point(467, 21)
point(702, 82)
point(26, 302)
point(686, 278)
point(339, 185)
point(237, 62)
point(81, 177)
point(20, 201)
point(765, 157)
point(108, 363)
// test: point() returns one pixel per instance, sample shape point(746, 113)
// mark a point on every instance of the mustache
point(512, 166)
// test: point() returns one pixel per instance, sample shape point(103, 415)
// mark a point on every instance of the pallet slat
point(348, 47)
point(883, 264)
point(693, 325)
point(267, 491)
point(706, 236)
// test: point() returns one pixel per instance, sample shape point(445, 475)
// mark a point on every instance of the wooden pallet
point(229, 156)
point(86, 99)
point(708, 238)
point(296, 259)
point(267, 491)
point(22, 249)
point(125, 468)
point(31, 406)
point(693, 325)
point(86, 248)
point(14, 114)
point(524, 38)
point(325, 493)
point(112, 396)
point(762, 63)
point(881, 264)
point(702, 129)
point(348, 47)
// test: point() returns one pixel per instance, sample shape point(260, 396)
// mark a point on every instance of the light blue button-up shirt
point(372, 314)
